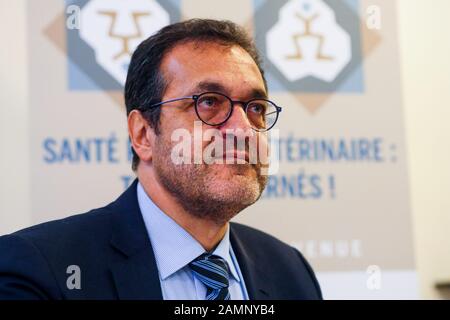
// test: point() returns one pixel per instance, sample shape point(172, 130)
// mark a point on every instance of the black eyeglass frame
point(244, 105)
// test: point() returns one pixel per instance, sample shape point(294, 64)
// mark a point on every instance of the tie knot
point(213, 272)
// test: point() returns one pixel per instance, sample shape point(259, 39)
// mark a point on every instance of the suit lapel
point(134, 271)
point(136, 278)
point(256, 280)
point(134, 268)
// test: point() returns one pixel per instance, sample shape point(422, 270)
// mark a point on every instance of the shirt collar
point(172, 245)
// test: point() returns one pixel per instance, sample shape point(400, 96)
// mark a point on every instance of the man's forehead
point(211, 63)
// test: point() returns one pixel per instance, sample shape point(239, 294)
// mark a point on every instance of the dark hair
point(145, 84)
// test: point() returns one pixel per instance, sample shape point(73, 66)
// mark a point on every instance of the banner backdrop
point(341, 192)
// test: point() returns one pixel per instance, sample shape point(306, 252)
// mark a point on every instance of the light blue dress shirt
point(174, 248)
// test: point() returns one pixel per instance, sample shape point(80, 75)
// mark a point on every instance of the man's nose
point(237, 120)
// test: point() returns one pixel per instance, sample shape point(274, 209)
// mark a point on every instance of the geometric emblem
point(308, 41)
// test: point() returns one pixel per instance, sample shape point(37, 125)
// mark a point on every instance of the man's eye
point(257, 108)
point(208, 102)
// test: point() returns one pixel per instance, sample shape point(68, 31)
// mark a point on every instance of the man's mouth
point(239, 157)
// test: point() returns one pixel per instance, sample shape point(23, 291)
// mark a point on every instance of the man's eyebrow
point(259, 93)
point(205, 86)
point(209, 86)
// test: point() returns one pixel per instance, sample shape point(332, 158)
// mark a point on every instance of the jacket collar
point(256, 280)
point(135, 272)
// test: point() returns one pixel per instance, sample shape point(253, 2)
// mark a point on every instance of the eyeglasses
point(214, 109)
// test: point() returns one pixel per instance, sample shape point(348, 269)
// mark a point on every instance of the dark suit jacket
point(113, 251)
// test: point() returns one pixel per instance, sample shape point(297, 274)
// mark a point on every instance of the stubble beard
point(202, 189)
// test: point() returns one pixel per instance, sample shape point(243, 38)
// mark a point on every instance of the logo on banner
point(308, 41)
point(313, 48)
point(100, 50)
point(114, 28)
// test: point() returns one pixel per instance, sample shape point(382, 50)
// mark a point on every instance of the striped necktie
point(213, 272)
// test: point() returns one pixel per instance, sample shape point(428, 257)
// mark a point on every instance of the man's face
point(211, 191)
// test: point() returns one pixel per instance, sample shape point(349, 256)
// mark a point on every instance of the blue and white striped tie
point(213, 272)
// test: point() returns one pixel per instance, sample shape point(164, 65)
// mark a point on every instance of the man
point(168, 236)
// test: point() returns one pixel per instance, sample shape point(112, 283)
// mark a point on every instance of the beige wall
point(14, 134)
point(424, 34)
point(424, 28)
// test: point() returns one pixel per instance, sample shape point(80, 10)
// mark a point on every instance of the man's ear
point(142, 135)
